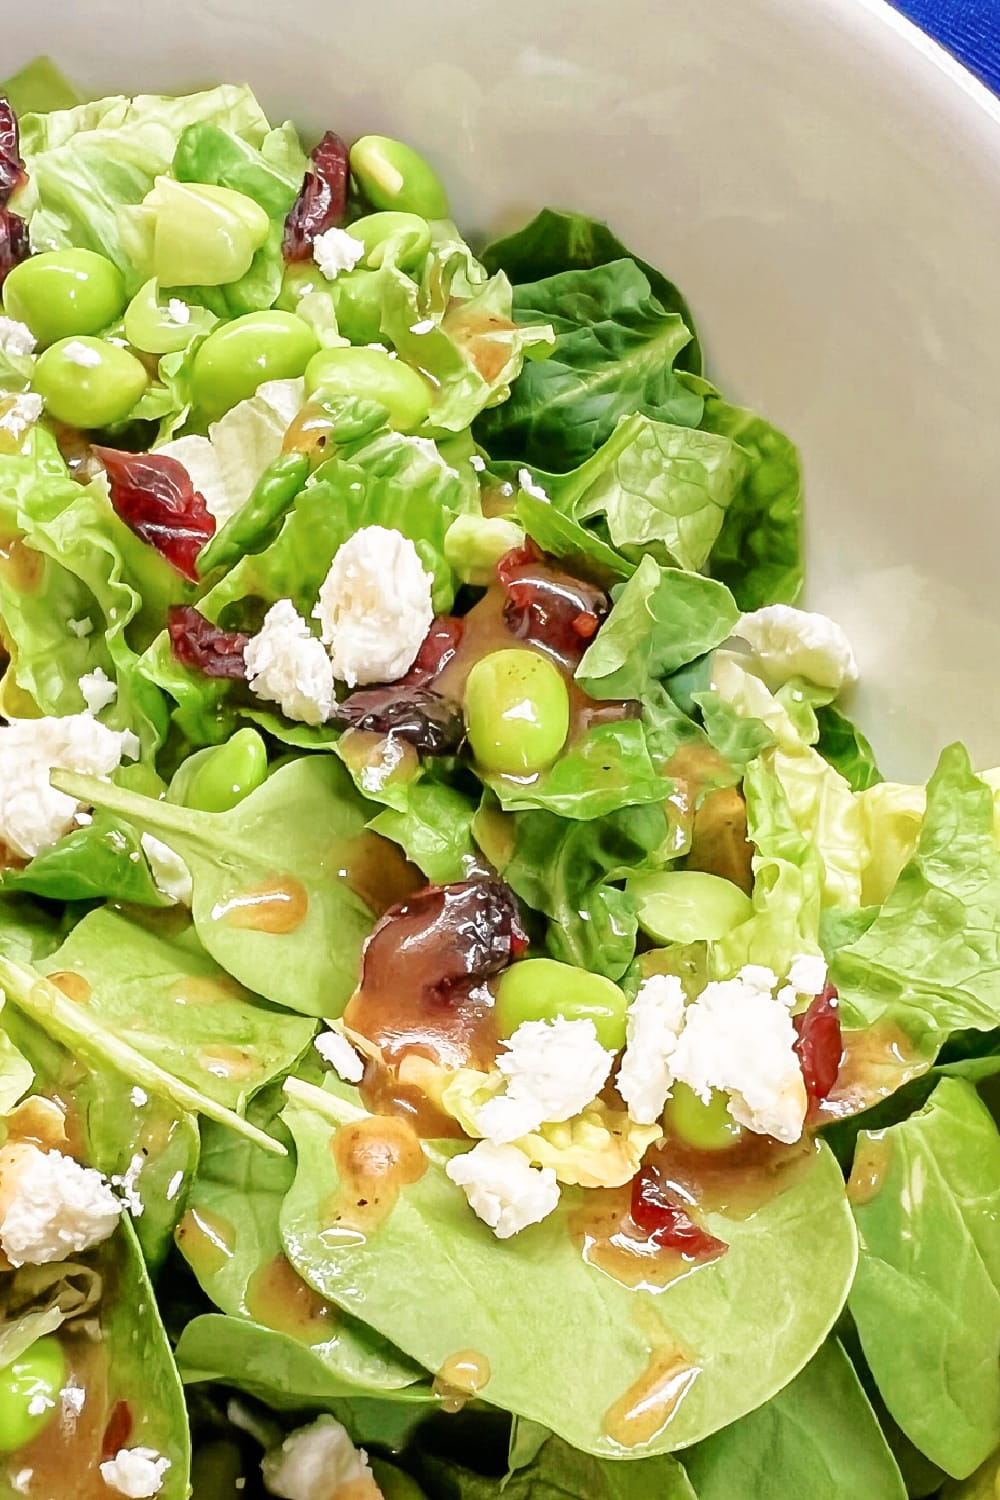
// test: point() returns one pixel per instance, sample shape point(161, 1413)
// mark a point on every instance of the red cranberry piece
point(118, 1431)
point(549, 607)
point(322, 200)
point(154, 496)
point(440, 644)
point(432, 724)
point(444, 940)
point(820, 1044)
point(14, 245)
point(12, 173)
point(668, 1224)
point(197, 643)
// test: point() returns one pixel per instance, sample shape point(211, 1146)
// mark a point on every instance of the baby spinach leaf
point(237, 1197)
point(559, 1472)
point(982, 1485)
point(842, 743)
point(926, 1299)
point(661, 619)
point(759, 552)
point(29, 931)
point(103, 861)
point(276, 860)
point(568, 870)
point(930, 961)
point(433, 1278)
point(434, 830)
point(152, 984)
point(555, 241)
point(614, 352)
point(817, 1437)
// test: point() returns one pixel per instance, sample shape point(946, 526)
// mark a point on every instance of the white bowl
point(821, 181)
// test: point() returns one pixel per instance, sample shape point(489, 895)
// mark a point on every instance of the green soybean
point(707, 1127)
point(164, 330)
point(88, 383)
point(400, 239)
point(394, 176)
point(29, 1392)
point(473, 545)
point(64, 292)
point(540, 989)
point(688, 906)
point(516, 712)
point(357, 300)
point(375, 376)
point(220, 777)
point(238, 357)
point(193, 233)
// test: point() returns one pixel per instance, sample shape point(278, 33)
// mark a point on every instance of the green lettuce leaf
point(434, 829)
point(555, 241)
point(611, 766)
point(38, 87)
point(662, 618)
point(931, 959)
point(567, 539)
point(842, 743)
point(926, 1299)
point(86, 163)
point(615, 348)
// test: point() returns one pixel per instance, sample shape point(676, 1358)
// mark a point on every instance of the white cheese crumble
point(738, 1038)
point(33, 815)
point(80, 628)
point(503, 1188)
point(529, 485)
point(16, 338)
point(287, 665)
point(375, 606)
point(169, 871)
point(315, 1462)
point(553, 1070)
point(337, 250)
point(52, 1207)
point(21, 412)
point(135, 1472)
point(792, 642)
point(426, 325)
point(84, 355)
point(652, 1026)
point(478, 462)
point(334, 1048)
point(98, 690)
point(807, 974)
point(127, 1184)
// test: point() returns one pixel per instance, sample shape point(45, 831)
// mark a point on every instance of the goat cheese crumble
point(503, 1188)
point(16, 338)
point(792, 642)
point(739, 1038)
point(375, 607)
point(287, 665)
point(169, 871)
point(52, 1207)
point(334, 1048)
point(337, 250)
point(316, 1462)
point(653, 1025)
point(33, 814)
point(135, 1472)
point(98, 690)
point(553, 1069)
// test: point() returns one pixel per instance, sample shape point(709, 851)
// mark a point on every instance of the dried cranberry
point(118, 1431)
point(14, 245)
point(12, 173)
point(547, 606)
point(820, 1044)
point(322, 200)
point(667, 1223)
point(440, 644)
point(444, 940)
point(154, 496)
point(432, 724)
point(197, 643)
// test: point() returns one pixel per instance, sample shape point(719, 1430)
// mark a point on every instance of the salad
point(474, 1018)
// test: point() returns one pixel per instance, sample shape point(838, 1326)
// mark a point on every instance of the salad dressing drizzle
point(73, 985)
point(206, 1240)
point(278, 1298)
point(875, 1063)
point(872, 1162)
point(461, 1377)
point(651, 1402)
point(227, 1062)
point(377, 870)
point(73, 1443)
point(277, 906)
point(21, 565)
point(375, 1158)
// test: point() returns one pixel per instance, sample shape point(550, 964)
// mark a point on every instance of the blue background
point(969, 28)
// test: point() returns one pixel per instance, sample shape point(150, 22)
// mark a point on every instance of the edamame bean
point(164, 330)
point(688, 906)
point(540, 989)
point(64, 292)
point(374, 376)
point(238, 357)
point(393, 175)
point(193, 233)
point(401, 239)
point(707, 1127)
point(473, 545)
point(357, 300)
point(516, 712)
point(228, 773)
point(299, 280)
point(88, 383)
point(29, 1392)
point(394, 1483)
